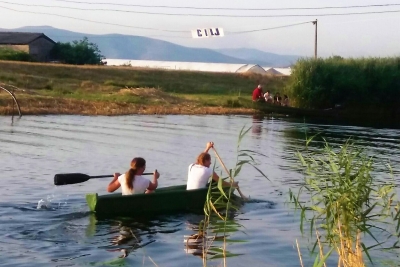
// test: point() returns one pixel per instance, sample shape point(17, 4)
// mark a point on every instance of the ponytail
point(130, 177)
point(136, 163)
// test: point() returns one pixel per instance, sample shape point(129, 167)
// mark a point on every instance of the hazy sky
point(348, 36)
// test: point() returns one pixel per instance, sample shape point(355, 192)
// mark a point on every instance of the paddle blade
point(70, 178)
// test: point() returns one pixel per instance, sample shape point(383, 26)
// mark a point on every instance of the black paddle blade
point(70, 178)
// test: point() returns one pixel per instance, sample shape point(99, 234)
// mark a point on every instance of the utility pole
point(315, 45)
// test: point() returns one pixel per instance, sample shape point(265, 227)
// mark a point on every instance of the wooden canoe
point(167, 200)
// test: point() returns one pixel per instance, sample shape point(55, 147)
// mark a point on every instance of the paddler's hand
point(209, 145)
point(156, 174)
point(116, 175)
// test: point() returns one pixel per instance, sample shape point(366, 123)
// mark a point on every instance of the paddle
point(223, 165)
point(75, 178)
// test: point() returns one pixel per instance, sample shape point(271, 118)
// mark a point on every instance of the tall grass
point(371, 83)
point(343, 202)
point(220, 204)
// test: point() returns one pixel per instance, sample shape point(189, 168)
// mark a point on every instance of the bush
point(11, 54)
point(78, 52)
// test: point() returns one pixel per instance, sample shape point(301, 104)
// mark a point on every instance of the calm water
point(61, 232)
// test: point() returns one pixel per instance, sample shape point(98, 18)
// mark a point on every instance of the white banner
point(208, 32)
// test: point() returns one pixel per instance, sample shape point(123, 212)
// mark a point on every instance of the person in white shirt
point(200, 172)
point(268, 97)
point(132, 182)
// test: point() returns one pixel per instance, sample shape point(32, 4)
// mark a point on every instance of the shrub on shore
point(14, 55)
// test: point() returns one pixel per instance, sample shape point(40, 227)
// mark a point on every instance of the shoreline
point(67, 106)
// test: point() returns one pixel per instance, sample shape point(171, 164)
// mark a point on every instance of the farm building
point(37, 45)
point(199, 66)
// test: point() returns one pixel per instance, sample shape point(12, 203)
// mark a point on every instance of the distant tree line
point(77, 53)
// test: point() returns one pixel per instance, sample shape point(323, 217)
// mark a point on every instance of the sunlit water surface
point(45, 225)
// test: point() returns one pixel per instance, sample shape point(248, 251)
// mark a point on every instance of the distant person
point(277, 99)
point(258, 95)
point(132, 182)
point(285, 101)
point(200, 172)
point(268, 97)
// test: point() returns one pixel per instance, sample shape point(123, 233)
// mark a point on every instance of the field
point(106, 90)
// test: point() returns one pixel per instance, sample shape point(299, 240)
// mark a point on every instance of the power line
point(143, 28)
point(229, 32)
point(272, 28)
point(228, 8)
point(93, 21)
point(95, 36)
point(212, 15)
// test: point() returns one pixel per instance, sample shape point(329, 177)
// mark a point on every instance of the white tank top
point(198, 176)
point(140, 184)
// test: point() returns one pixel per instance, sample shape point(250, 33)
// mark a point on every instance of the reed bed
point(342, 201)
point(362, 83)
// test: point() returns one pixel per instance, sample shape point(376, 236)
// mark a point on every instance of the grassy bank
point(105, 90)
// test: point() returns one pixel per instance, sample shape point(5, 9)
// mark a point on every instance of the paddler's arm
point(208, 146)
point(215, 178)
point(153, 185)
point(114, 185)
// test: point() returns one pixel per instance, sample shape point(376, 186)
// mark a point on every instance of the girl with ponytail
point(132, 182)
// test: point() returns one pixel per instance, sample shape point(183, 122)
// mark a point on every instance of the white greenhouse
point(199, 66)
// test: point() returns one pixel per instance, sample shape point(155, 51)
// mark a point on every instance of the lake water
point(61, 232)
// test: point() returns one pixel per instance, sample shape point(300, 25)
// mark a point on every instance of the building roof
point(20, 38)
point(254, 68)
point(278, 71)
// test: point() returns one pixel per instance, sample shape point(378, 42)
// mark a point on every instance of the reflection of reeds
point(345, 202)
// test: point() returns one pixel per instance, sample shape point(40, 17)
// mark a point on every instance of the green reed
point(342, 200)
point(355, 83)
point(220, 206)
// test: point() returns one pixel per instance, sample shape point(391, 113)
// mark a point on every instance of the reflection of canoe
point(163, 201)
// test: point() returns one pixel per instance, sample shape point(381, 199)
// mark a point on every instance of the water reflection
point(127, 235)
point(256, 127)
point(127, 240)
point(211, 242)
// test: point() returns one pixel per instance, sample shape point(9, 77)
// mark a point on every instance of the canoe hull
point(166, 200)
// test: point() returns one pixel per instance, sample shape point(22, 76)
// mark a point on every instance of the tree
point(78, 52)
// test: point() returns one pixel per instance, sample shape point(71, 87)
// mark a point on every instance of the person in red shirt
point(258, 94)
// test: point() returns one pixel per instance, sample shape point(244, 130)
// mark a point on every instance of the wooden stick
point(223, 165)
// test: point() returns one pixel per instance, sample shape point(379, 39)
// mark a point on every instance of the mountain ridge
point(120, 46)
